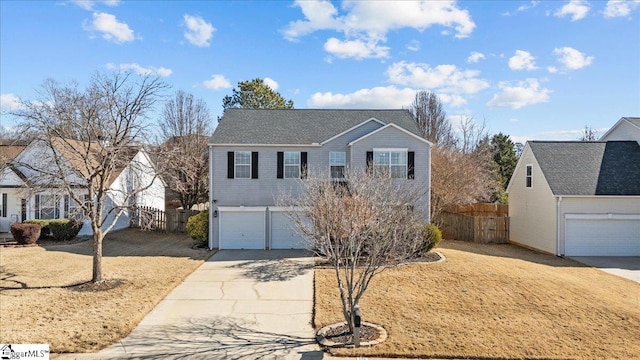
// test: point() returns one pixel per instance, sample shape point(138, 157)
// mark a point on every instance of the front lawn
point(37, 307)
point(496, 302)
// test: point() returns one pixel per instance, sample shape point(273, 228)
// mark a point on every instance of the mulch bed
point(342, 334)
point(430, 257)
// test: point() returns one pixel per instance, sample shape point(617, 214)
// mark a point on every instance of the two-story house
point(257, 154)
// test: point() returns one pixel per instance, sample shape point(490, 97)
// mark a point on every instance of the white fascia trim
point(390, 149)
point(266, 145)
point(241, 208)
point(518, 166)
point(602, 216)
point(386, 127)
point(623, 119)
point(353, 128)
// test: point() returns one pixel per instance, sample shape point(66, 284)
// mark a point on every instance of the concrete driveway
point(624, 266)
point(240, 304)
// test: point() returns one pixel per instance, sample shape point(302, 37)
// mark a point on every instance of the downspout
point(211, 204)
point(429, 186)
point(558, 225)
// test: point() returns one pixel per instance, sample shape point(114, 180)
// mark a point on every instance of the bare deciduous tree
point(88, 137)
point(431, 119)
point(360, 226)
point(185, 129)
point(588, 134)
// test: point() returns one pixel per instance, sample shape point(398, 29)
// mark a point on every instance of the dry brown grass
point(496, 302)
point(140, 267)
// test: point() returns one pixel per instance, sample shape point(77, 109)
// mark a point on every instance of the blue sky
point(530, 69)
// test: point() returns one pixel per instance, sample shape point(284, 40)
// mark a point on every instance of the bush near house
point(59, 229)
point(430, 237)
point(64, 229)
point(25, 234)
point(198, 227)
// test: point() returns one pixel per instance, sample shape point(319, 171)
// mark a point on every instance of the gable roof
point(299, 126)
point(634, 121)
point(589, 168)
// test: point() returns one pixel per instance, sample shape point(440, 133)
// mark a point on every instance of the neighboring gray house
point(573, 198)
point(257, 154)
point(627, 128)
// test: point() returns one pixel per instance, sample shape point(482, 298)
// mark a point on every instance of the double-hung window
point(292, 165)
point(390, 162)
point(243, 165)
point(47, 207)
point(529, 176)
point(337, 163)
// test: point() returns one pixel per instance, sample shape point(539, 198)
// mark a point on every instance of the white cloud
point(199, 32)
point(271, 83)
point(552, 69)
point(356, 49)
point(389, 97)
point(571, 58)
point(367, 22)
point(522, 60)
point(578, 9)
point(217, 81)
point(89, 4)
point(414, 45)
point(9, 102)
point(140, 70)
point(522, 8)
point(111, 29)
point(475, 57)
point(619, 8)
point(448, 81)
point(527, 92)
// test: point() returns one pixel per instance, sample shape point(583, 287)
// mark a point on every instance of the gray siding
point(624, 131)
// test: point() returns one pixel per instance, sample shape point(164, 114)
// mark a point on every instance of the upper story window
point(337, 163)
point(292, 165)
point(529, 176)
point(242, 165)
point(392, 162)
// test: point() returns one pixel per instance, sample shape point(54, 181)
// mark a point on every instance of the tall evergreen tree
point(255, 94)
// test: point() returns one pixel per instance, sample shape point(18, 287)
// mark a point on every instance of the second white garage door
point(602, 236)
point(242, 229)
point(283, 235)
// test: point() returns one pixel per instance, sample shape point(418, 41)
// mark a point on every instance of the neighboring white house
point(256, 154)
point(627, 128)
point(23, 196)
point(573, 198)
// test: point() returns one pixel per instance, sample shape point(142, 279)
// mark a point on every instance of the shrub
point(198, 227)
point(64, 229)
point(428, 238)
point(25, 233)
point(44, 225)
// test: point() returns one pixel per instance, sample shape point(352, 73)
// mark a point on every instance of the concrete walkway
point(624, 266)
point(240, 304)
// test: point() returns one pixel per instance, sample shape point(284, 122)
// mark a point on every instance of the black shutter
point(66, 206)
point(280, 165)
point(37, 212)
point(369, 162)
point(230, 164)
point(410, 165)
point(303, 165)
point(4, 205)
point(254, 164)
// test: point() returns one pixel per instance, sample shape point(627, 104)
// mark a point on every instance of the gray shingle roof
point(589, 168)
point(298, 126)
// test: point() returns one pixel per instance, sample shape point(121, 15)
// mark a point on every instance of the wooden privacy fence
point(482, 223)
point(152, 219)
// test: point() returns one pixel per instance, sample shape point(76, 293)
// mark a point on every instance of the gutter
point(558, 226)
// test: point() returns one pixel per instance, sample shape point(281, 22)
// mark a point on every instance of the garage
point(602, 235)
point(283, 233)
point(242, 228)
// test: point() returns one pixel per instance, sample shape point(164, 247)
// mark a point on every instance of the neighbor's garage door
point(283, 235)
point(602, 236)
point(242, 229)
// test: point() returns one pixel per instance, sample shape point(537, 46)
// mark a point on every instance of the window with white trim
point(529, 176)
point(47, 207)
point(243, 164)
point(292, 165)
point(337, 164)
point(391, 162)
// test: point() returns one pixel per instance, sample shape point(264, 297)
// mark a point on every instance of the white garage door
point(602, 236)
point(283, 235)
point(242, 230)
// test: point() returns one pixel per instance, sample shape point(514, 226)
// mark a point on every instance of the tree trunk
point(97, 256)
